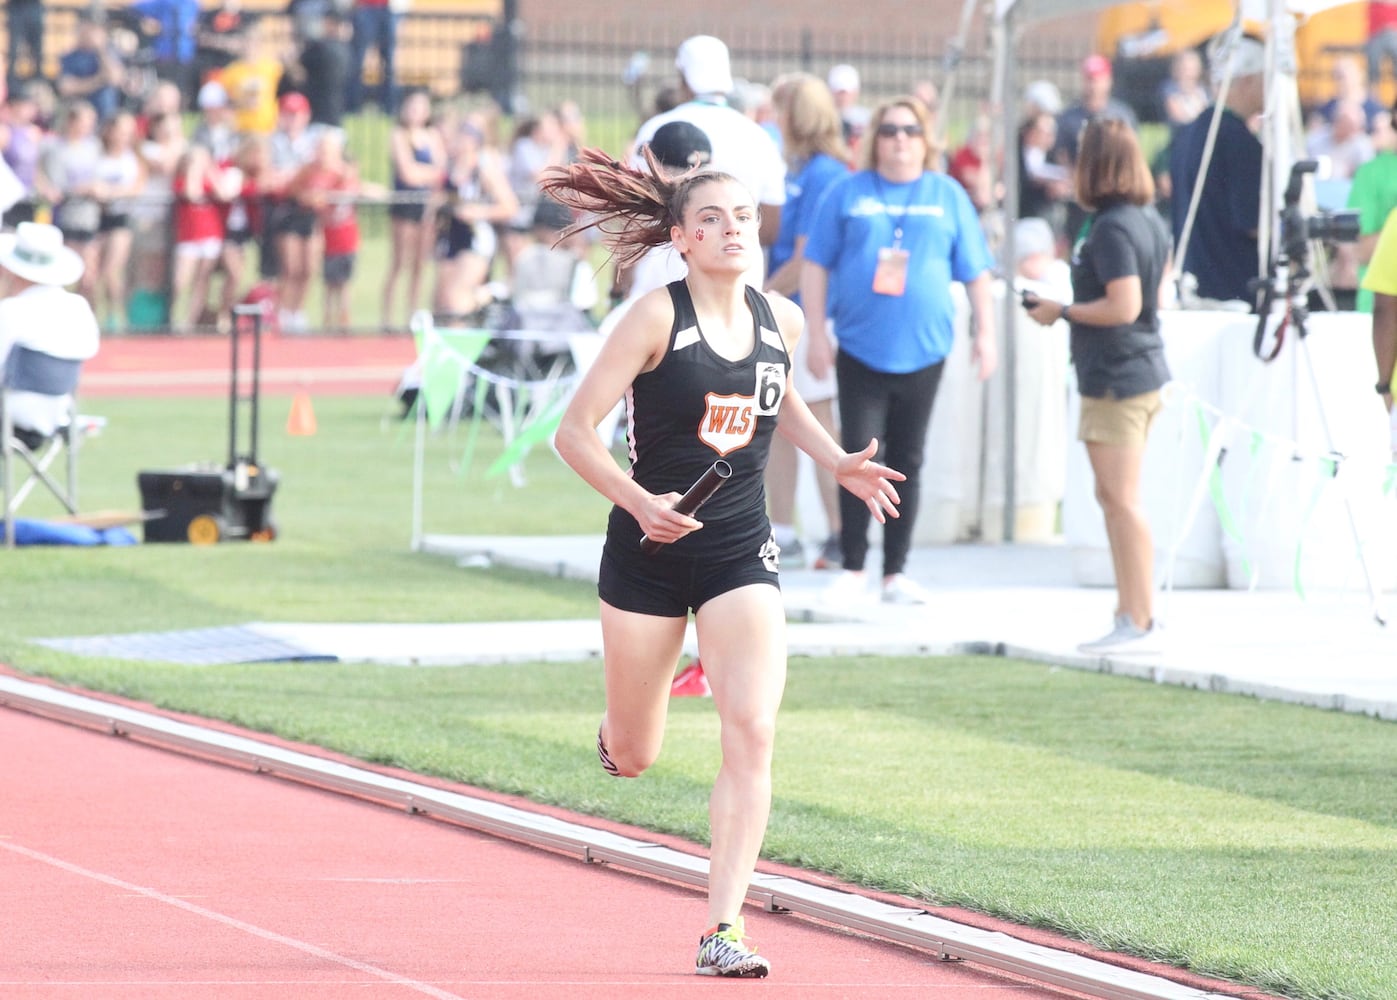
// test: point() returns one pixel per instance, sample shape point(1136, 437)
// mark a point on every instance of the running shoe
point(902, 589)
point(691, 682)
point(723, 953)
point(793, 555)
point(1127, 638)
point(831, 554)
point(605, 757)
point(849, 587)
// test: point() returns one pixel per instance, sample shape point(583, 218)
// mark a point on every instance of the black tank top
point(697, 406)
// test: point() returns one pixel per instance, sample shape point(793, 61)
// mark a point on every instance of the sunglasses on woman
point(887, 130)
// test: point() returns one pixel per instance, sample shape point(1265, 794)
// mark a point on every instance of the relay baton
point(694, 498)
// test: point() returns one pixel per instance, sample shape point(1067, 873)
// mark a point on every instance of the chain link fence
point(612, 72)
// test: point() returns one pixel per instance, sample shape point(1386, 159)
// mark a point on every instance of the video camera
point(1297, 229)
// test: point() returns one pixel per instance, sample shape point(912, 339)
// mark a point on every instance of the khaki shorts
point(1118, 421)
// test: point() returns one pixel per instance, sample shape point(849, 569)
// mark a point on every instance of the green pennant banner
point(1328, 469)
point(482, 391)
point(446, 354)
point(540, 429)
point(1231, 526)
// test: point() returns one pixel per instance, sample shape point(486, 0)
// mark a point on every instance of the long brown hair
point(632, 209)
point(809, 120)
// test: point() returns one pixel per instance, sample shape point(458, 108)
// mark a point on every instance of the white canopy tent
point(1012, 17)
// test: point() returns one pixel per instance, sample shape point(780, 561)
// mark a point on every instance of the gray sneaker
point(1125, 638)
point(831, 554)
point(902, 589)
point(793, 555)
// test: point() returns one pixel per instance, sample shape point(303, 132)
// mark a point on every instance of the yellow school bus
point(1159, 29)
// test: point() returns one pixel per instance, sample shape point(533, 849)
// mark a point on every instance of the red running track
point(128, 871)
point(199, 366)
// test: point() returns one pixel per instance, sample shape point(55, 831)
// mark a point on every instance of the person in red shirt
point(1382, 39)
point(330, 185)
point(970, 164)
point(202, 190)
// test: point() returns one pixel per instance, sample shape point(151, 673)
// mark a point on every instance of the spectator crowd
point(197, 157)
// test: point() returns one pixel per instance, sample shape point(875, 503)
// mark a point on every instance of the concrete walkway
point(1326, 650)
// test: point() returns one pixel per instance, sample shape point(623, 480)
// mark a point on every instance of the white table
point(1273, 481)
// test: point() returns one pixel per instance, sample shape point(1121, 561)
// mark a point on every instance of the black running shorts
point(668, 586)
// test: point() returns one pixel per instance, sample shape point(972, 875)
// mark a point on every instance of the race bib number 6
point(771, 387)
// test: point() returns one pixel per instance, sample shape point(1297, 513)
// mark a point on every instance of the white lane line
point(227, 921)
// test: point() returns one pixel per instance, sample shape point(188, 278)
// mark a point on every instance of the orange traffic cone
point(301, 422)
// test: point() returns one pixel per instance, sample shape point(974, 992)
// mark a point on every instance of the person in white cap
point(37, 311)
point(741, 147)
point(215, 130)
point(844, 85)
point(1222, 245)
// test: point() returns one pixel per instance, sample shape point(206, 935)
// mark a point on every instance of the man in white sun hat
point(741, 147)
point(844, 84)
point(37, 311)
point(1221, 251)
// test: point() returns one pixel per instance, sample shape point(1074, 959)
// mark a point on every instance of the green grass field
point(1250, 840)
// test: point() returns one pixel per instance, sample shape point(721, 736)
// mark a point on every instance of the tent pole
point(955, 52)
point(1004, 96)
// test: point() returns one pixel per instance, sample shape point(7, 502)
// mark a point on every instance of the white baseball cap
point(1032, 236)
point(1243, 56)
point(843, 77)
point(703, 62)
point(213, 95)
point(1045, 95)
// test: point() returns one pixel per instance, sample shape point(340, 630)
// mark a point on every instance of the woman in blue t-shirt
point(812, 134)
point(885, 245)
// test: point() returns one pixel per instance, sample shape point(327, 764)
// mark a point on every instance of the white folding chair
point(22, 450)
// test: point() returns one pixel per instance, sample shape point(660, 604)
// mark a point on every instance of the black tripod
point(1288, 284)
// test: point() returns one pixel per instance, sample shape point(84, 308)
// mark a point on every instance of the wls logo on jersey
point(730, 421)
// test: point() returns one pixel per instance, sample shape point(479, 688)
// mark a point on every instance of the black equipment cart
point(204, 504)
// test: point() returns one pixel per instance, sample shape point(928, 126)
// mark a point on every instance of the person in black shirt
point(704, 366)
point(218, 37)
point(1221, 250)
point(1118, 353)
point(324, 68)
point(1096, 101)
point(24, 30)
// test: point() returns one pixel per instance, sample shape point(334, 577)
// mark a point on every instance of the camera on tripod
point(1297, 228)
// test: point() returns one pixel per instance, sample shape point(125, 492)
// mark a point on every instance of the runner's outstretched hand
point(870, 481)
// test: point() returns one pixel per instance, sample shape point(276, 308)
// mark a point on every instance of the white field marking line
point(227, 921)
point(391, 881)
point(787, 987)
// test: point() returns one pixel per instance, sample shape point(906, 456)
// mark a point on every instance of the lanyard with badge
point(1081, 239)
point(890, 276)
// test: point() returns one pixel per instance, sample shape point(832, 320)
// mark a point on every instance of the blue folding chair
point(26, 451)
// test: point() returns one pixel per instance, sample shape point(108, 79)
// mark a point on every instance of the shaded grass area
point(1244, 839)
point(343, 510)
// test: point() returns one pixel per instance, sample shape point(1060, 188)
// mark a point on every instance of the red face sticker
point(698, 235)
